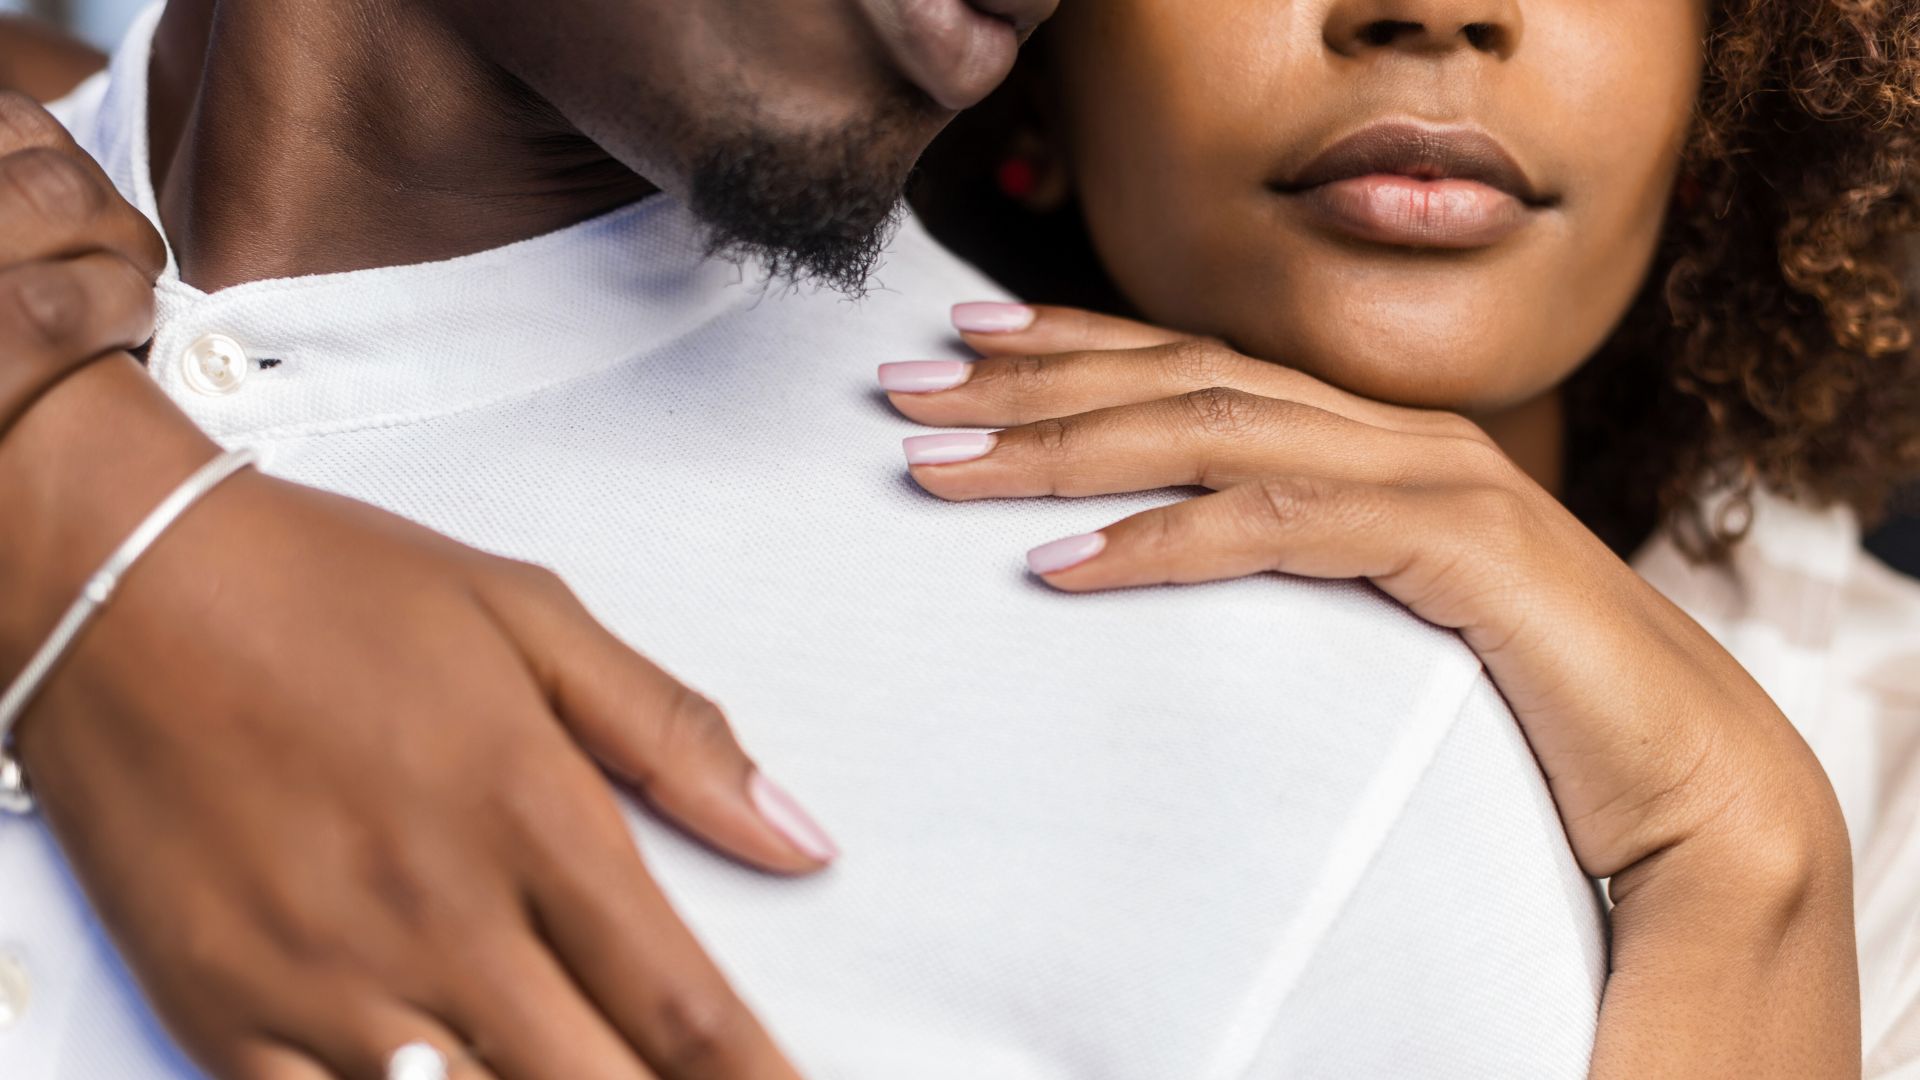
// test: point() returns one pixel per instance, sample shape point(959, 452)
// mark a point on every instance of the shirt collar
point(389, 345)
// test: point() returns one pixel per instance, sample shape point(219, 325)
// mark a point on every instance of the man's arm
point(41, 62)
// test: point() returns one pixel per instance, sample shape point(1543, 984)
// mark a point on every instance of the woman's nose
point(1423, 27)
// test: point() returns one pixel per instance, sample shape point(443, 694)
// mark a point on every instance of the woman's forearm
point(1675, 774)
point(1733, 954)
point(77, 473)
point(88, 444)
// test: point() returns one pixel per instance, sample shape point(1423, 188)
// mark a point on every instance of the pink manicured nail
point(783, 812)
point(947, 448)
point(924, 376)
point(991, 318)
point(1065, 554)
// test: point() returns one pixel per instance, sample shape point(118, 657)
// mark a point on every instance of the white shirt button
point(15, 989)
point(214, 365)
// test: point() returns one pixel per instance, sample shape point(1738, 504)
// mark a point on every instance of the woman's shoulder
point(1830, 631)
point(1799, 572)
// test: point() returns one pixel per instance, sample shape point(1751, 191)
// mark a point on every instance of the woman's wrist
point(77, 473)
point(1749, 889)
point(1752, 918)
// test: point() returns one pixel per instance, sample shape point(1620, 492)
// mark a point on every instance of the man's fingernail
point(923, 376)
point(947, 448)
point(992, 318)
point(1065, 554)
point(783, 812)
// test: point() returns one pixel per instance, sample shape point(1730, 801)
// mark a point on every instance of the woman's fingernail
point(1065, 554)
point(947, 448)
point(992, 318)
point(783, 812)
point(923, 376)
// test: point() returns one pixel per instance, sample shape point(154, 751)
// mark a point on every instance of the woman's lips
point(1403, 211)
point(955, 50)
point(1407, 185)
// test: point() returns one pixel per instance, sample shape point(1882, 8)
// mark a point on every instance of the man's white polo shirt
point(1253, 829)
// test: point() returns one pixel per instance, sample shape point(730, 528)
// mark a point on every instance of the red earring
point(1018, 178)
point(1687, 191)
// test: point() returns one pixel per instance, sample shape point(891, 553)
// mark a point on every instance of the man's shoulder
point(902, 312)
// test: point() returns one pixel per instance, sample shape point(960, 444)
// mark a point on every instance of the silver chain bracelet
point(15, 798)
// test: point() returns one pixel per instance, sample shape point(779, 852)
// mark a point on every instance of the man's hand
point(335, 789)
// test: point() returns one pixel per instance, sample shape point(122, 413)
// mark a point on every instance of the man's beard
point(809, 209)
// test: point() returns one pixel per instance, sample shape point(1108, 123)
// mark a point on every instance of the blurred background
point(101, 22)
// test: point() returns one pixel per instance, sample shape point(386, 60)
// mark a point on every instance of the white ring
point(417, 1061)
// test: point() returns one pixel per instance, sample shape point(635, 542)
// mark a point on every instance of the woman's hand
point(332, 781)
point(337, 788)
point(77, 261)
point(1674, 773)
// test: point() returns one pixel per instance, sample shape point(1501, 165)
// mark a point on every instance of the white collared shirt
point(1259, 828)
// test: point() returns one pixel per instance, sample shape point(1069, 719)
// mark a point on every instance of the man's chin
point(812, 209)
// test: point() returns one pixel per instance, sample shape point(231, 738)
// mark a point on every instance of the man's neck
point(293, 137)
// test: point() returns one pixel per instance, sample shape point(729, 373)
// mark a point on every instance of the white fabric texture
point(1255, 829)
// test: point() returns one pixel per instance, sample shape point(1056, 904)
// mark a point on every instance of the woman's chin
point(1467, 338)
point(1434, 369)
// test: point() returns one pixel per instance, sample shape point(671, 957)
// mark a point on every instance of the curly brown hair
point(1773, 344)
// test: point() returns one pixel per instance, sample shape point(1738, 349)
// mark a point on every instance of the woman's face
point(1436, 202)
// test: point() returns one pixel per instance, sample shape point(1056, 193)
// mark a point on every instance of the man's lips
point(957, 51)
point(1025, 15)
point(1410, 186)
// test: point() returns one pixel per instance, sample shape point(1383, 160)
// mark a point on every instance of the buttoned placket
point(214, 365)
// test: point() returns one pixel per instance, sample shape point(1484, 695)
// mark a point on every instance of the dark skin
point(467, 879)
point(312, 184)
point(302, 132)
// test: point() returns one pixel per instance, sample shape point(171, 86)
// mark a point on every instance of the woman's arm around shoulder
point(1674, 774)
